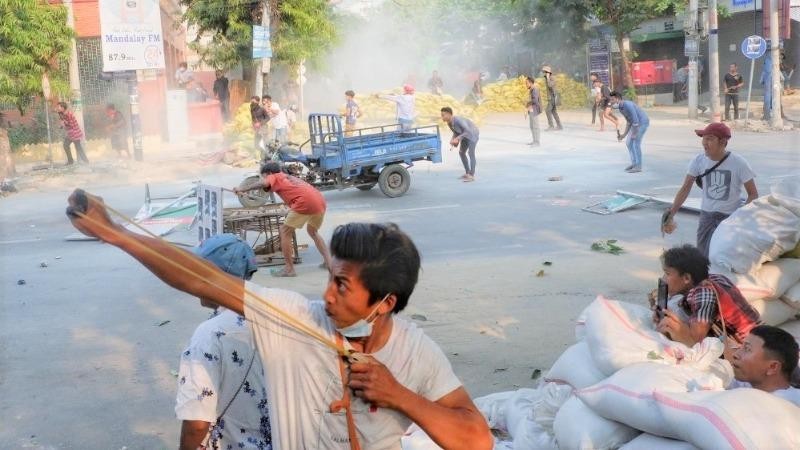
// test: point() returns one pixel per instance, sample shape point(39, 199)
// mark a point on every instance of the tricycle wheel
point(255, 198)
point(394, 180)
point(365, 187)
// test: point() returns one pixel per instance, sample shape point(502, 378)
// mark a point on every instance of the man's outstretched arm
point(89, 215)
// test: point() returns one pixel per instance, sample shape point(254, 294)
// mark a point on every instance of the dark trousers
point(708, 223)
point(552, 115)
point(731, 99)
point(468, 147)
point(78, 151)
point(594, 112)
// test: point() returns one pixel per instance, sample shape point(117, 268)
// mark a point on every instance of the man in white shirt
point(398, 376)
point(222, 398)
point(405, 107)
point(765, 361)
point(279, 122)
point(184, 76)
point(722, 175)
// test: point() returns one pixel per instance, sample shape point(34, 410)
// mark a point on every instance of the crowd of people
point(347, 372)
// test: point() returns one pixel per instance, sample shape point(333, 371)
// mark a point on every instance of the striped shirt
point(71, 126)
point(701, 303)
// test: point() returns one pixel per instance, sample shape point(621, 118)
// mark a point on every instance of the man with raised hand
point(399, 376)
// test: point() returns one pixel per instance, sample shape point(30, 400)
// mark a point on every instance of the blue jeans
point(635, 145)
point(405, 124)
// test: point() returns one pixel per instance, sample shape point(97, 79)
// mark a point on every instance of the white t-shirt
point(722, 188)
point(303, 376)
point(212, 368)
point(405, 105)
point(791, 394)
point(279, 119)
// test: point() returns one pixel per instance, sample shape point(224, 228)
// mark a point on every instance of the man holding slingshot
point(343, 373)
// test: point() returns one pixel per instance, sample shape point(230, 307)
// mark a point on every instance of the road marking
point(424, 208)
point(475, 250)
point(19, 241)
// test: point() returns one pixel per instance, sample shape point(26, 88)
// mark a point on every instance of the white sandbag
point(553, 396)
point(579, 428)
point(649, 442)
point(621, 334)
point(734, 419)
point(575, 367)
point(751, 287)
point(493, 408)
point(779, 275)
point(773, 311)
point(793, 327)
point(416, 439)
point(752, 235)
point(627, 396)
point(513, 412)
point(792, 296)
point(786, 192)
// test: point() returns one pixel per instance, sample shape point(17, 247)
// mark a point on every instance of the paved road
point(83, 363)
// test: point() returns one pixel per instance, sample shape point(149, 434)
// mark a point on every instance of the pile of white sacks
point(624, 385)
point(747, 248)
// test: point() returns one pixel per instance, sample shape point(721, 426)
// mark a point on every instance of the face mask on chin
point(361, 328)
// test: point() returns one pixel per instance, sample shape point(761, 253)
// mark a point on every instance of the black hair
point(270, 167)
point(183, 64)
point(616, 94)
point(349, 93)
point(266, 97)
point(63, 105)
point(594, 74)
point(256, 98)
point(687, 259)
point(389, 259)
point(111, 107)
point(530, 79)
point(781, 345)
point(447, 109)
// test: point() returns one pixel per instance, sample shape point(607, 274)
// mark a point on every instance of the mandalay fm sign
point(131, 35)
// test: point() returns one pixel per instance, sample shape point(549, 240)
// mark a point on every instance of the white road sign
point(131, 35)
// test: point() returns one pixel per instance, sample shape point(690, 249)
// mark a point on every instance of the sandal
point(282, 273)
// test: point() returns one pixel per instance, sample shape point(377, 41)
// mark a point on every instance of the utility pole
point(713, 60)
point(774, 38)
point(74, 75)
point(691, 51)
point(262, 65)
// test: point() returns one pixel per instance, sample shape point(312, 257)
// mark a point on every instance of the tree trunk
point(627, 77)
point(7, 169)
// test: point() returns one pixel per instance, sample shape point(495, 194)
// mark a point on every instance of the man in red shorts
point(306, 207)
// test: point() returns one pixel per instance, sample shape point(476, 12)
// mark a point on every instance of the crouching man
point(316, 399)
point(765, 361)
point(701, 304)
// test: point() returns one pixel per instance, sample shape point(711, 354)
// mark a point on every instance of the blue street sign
point(261, 44)
point(754, 47)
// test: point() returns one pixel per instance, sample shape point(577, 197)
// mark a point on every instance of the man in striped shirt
point(72, 133)
point(702, 304)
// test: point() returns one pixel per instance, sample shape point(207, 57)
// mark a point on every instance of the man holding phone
point(700, 304)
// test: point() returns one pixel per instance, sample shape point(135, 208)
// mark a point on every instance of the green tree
point(34, 39)
point(301, 30)
point(626, 16)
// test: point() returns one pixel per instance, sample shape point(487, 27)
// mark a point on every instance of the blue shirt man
point(638, 122)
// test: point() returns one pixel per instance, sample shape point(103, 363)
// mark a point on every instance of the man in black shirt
point(733, 82)
point(222, 94)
